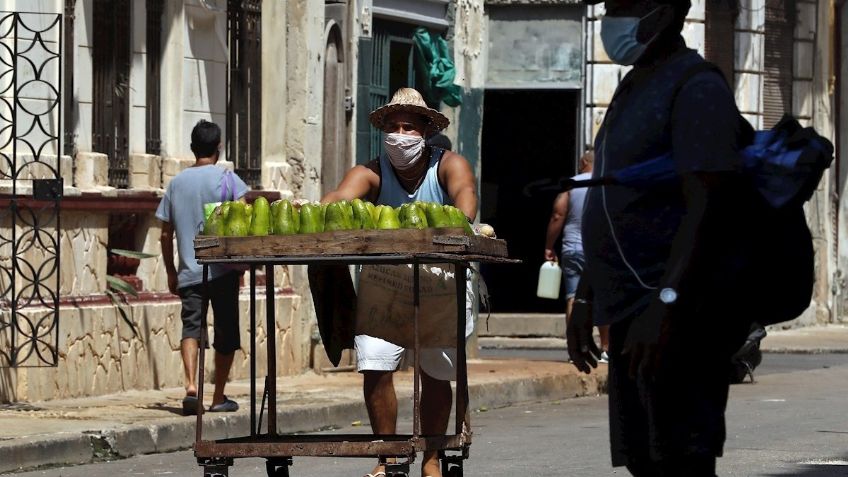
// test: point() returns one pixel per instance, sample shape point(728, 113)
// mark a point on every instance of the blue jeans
point(572, 264)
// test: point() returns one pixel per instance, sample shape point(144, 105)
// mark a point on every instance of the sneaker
point(228, 405)
point(604, 357)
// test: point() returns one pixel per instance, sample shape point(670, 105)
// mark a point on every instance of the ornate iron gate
point(30, 187)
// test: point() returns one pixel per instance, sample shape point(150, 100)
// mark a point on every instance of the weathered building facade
point(781, 56)
point(291, 83)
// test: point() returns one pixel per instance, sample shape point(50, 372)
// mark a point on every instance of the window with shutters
point(153, 145)
point(720, 35)
point(69, 106)
point(385, 64)
point(244, 89)
point(111, 76)
point(778, 60)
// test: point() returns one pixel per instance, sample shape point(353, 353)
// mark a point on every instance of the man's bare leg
point(569, 306)
point(223, 363)
point(188, 350)
point(436, 400)
point(381, 402)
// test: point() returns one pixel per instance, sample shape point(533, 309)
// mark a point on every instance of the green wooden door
point(385, 64)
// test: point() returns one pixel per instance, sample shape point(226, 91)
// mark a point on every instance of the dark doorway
point(529, 144)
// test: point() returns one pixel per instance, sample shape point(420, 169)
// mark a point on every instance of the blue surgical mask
point(618, 35)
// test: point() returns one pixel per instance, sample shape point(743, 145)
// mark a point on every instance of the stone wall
point(99, 353)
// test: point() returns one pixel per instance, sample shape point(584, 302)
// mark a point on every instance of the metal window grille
point(244, 89)
point(153, 144)
point(720, 35)
point(111, 75)
point(778, 60)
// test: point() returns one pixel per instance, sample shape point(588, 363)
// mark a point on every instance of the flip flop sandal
point(189, 405)
point(227, 405)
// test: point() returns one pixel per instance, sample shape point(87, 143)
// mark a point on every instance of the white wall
point(204, 67)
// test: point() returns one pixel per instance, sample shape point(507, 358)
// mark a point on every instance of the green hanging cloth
point(433, 60)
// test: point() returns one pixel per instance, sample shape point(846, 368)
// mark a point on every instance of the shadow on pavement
point(160, 406)
point(822, 468)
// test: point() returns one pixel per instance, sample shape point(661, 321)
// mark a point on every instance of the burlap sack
point(384, 307)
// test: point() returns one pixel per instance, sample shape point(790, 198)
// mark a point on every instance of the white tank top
point(572, 236)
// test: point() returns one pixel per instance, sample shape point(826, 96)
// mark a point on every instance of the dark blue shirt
point(640, 223)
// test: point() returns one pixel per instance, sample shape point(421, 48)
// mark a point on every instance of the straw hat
point(409, 100)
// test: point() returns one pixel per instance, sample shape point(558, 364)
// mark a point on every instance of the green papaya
point(336, 217)
point(284, 218)
point(457, 219)
point(436, 216)
point(295, 216)
point(225, 210)
point(361, 215)
point(237, 223)
point(214, 224)
point(372, 209)
point(347, 208)
point(421, 215)
point(248, 212)
point(411, 217)
point(311, 218)
point(388, 219)
point(376, 213)
point(261, 223)
point(275, 214)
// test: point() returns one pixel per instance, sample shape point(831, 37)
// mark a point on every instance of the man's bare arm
point(458, 178)
point(166, 241)
point(357, 183)
point(558, 214)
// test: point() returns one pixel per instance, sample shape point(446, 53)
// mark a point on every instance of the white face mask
point(618, 35)
point(404, 150)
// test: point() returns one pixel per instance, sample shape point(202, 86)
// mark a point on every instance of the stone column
point(173, 23)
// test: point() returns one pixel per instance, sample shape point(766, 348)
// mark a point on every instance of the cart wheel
point(215, 471)
point(278, 468)
point(400, 469)
point(453, 470)
point(215, 467)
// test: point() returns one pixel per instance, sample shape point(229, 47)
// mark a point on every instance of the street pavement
point(786, 424)
point(792, 422)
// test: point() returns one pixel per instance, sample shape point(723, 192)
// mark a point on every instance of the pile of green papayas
point(238, 219)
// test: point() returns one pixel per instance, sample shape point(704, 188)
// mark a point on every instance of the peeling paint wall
point(96, 354)
point(304, 76)
point(99, 354)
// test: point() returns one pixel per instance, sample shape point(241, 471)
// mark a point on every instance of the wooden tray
point(351, 242)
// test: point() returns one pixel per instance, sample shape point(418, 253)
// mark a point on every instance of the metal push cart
point(416, 247)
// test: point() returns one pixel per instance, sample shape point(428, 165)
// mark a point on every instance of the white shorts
point(375, 354)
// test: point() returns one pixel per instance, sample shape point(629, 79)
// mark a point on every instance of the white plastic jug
point(550, 276)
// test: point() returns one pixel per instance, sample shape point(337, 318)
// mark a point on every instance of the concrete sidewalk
point(540, 332)
point(78, 431)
